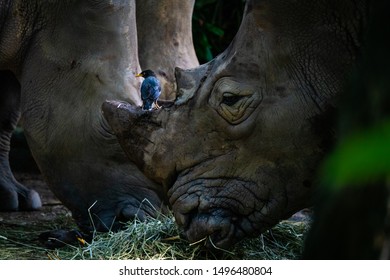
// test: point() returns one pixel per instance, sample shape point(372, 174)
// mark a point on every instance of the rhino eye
point(234, 100)
point(230, 99)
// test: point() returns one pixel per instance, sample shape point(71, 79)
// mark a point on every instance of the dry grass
point(156, 239)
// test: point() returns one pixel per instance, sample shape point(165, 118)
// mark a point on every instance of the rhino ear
point(188, 82)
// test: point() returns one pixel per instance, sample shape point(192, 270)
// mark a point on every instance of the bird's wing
point(157, 88)
point(150, 89)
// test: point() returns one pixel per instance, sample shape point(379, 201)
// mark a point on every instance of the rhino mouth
point(223, 211)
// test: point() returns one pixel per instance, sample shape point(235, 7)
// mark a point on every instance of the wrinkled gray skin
point(59, 61)
point(239, 148)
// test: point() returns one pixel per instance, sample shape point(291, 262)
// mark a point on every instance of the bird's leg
point(157, 106)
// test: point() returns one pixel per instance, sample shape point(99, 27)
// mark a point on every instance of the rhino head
point(238, 149)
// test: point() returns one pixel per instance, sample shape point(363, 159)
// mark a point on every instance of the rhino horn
point(130, 124)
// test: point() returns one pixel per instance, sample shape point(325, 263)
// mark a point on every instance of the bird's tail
point(147, 106)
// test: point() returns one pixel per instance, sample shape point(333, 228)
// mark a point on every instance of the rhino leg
point(13, 195)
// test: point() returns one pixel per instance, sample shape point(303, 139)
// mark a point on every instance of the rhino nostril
point(182, 220)
point(218, 230)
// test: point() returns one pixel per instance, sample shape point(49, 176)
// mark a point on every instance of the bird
point(150, 90)
point(58, 238)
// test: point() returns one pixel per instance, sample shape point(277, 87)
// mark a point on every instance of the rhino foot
point(14, 196)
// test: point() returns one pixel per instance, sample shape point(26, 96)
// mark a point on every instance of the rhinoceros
point(59, 61)
point(239, 148)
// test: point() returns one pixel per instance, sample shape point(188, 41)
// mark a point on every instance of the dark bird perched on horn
point(150, 90)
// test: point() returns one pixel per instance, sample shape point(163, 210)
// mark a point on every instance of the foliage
point(361, 158)
point(352, 219)
point(215, 23)
point(363, 155)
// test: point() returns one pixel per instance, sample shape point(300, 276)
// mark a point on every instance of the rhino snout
point(221, 211)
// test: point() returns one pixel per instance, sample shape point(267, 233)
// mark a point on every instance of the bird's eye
point(230, 99)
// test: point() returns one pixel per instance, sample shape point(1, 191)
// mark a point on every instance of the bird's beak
point(81, 240)
point(138, 75)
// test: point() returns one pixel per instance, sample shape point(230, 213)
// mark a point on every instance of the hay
point(159, 239)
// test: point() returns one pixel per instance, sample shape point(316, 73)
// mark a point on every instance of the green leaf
point(360, 158)
point(209, 54)
point(214, 29)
